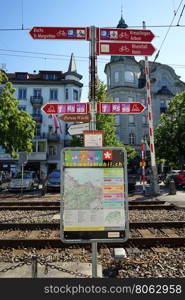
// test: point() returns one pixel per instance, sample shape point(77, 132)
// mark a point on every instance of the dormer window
point(129, 76)
point(50, 76)
point(21, 76)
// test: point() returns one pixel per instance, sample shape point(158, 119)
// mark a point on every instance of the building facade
point(33, 91)
point(126, 82)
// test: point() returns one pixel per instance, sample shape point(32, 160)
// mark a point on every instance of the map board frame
point(108, 234)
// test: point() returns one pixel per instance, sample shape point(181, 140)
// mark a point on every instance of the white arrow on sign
point(78, 128)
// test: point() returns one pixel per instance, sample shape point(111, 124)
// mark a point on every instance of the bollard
point(172, 187)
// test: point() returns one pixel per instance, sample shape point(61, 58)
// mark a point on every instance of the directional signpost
point(77, 129)
point(62, 108)
point(76, 117)
point(120, 107)
point(129, 35)
point(59, 33)
point(128, 49)
point(103, 41)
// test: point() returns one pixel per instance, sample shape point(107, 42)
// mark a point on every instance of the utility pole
point(154, 175)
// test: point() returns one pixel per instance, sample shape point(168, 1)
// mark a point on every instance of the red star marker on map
point(107, 155)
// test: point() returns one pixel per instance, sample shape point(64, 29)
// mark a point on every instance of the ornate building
point(126, 83)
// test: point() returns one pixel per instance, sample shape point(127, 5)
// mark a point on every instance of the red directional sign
point(59, 33)
point(120, 107)
point(62, 108)
point(129, 35)
point(128, 49)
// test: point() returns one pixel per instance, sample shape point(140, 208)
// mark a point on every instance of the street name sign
point(128, 49)
point(59, 33)
point(120, 107)
point(78, 128)
point(129, 35)
point(62, 108)
point(76, 118)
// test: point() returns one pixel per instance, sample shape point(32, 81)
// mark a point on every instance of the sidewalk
point(178, 199)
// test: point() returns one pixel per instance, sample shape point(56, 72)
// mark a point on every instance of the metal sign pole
point(155, 186)
point(92, 77)
point(92, 95)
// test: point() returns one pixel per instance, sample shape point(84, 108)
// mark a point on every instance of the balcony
point(53, 137)
point(36, 100)
point(37, 156)
point(37, 117)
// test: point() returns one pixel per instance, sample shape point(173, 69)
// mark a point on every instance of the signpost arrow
point(120, 107)
point(62, 108)
point(75, 118)
point(128, 49)
point(78, 129)
point(129, 35)
point(60, 33)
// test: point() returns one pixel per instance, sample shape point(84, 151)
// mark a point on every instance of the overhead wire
point(175, 13)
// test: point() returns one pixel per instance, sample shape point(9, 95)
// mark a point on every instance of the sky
point(15, 43)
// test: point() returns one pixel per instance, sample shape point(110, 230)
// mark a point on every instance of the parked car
point(170, 175)
point(180, 180)
point(53, 181)
point(29, 182)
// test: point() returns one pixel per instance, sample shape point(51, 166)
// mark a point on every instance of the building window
point(22, 94)
point(34, 146)
point(163, 106)
point(131, 120)
point(144, 120)
point(52, 150)
point(75, 95)
point(129, 76)
point(67, 94)
point(116, 76)
point(53, 94)
point(37, 92)
point(132, 138)
point(38, 130)
point(130, 99)
point(116, 99)
point(21, 76)
point(36, 111)
point(49, 76)
point(41, 146)
point(22, 107)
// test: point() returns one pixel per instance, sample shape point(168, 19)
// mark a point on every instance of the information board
point(94, 204)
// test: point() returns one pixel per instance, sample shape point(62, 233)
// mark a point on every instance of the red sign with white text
point(60, 33)
point(128, 49)
point(120, 107)
point(129, 35)
point(62, 108)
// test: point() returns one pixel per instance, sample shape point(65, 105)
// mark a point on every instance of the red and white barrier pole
point(155, 186)
point(142, 164)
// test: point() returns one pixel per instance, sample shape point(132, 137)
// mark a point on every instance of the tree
point(106, 122)
point(16, 127)
point(170, 133)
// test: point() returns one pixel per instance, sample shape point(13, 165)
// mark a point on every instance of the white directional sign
point(78, 128)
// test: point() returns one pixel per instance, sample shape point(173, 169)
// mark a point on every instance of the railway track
point(54, 205)
point(40, 235)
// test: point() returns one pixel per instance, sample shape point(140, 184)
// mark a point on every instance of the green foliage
point(106, 122)
point(170, 134)
point(16, 127)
